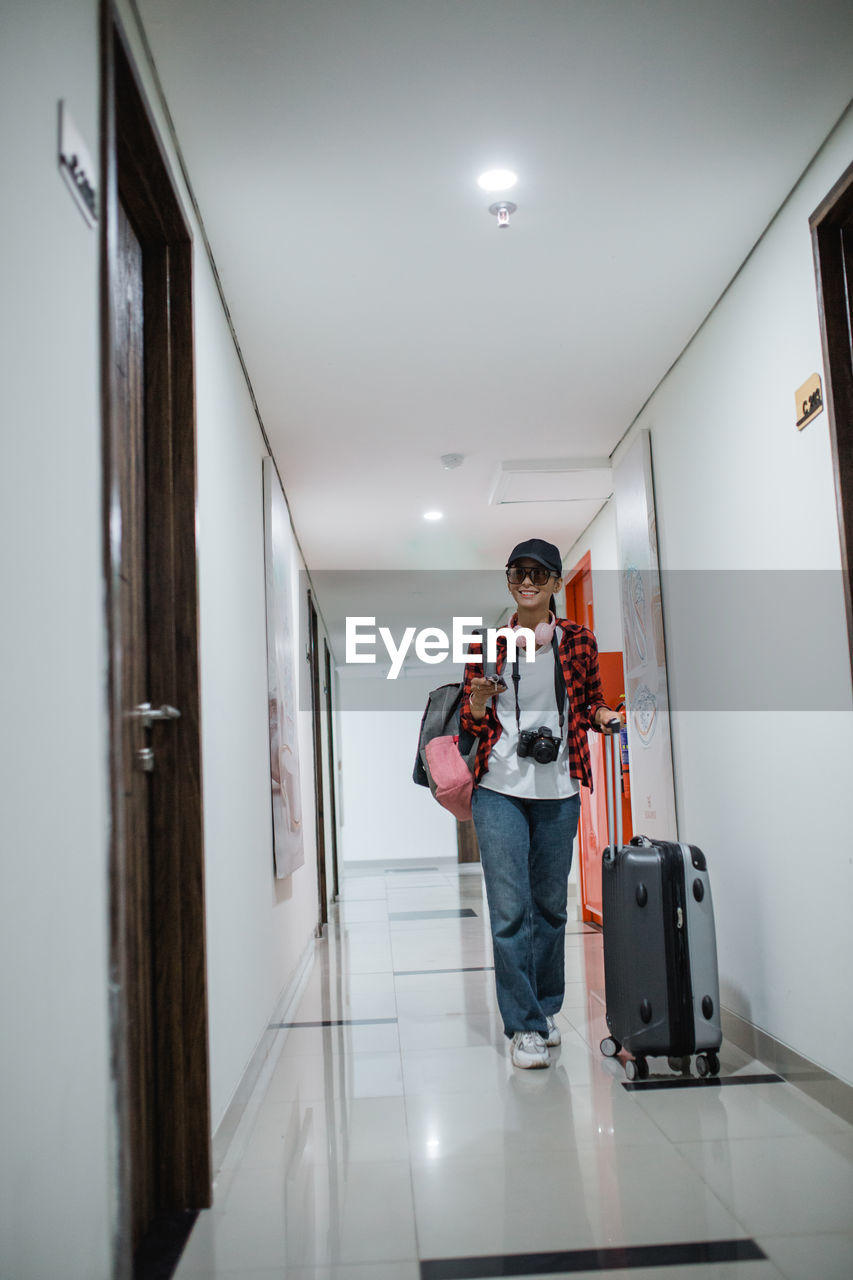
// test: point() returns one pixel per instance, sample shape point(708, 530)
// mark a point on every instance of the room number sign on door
point(809, 401)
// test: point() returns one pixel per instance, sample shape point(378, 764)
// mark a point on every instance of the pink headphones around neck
point(542, 633)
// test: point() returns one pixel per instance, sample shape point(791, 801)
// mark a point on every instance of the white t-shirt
point(537, 702)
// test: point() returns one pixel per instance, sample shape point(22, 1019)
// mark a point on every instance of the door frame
point(571, 580)
point(317, 735)
point(832, 244)
point(132, 159)
point(333, 806)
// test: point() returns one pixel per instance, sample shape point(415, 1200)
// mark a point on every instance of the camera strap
point(559, 685)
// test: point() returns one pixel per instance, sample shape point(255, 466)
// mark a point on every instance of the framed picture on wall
point(279, 553)
point(647, 697)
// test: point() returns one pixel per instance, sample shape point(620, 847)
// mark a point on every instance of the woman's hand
point(607, 721)
point(481, 690)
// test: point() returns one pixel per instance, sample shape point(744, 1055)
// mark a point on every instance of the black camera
point(539, 743)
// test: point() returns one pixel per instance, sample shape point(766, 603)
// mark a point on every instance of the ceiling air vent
point(553, 480)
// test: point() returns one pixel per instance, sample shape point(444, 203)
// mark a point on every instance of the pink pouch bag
point(451, 780)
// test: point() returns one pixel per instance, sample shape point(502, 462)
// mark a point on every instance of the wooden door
point(130, 421)
point(467, 845)
point(832, 240)
point(158, 996)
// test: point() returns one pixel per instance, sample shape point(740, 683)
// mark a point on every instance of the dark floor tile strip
point(333, 1022)
point(627, 1257)
point(417, 973)
point(160, 1249)
point(709, 1082)
point(446, 914)
point(406, 871)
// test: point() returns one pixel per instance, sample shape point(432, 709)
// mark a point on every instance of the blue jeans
point(526, 852)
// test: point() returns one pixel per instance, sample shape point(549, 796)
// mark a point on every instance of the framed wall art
point(279, 552)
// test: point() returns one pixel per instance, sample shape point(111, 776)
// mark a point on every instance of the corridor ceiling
point(333, 147)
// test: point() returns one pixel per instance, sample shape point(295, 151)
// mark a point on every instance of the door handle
point(148, 714)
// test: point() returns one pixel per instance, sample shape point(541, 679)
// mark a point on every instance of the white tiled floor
point(375, 1145)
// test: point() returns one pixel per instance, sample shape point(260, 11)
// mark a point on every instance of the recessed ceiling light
point(497, 180)
point(433, 515)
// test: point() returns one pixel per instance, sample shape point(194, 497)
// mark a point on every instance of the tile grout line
point(333, 1022)
point(676, 1147)
point(406, 1113)
point(735, 1215)
point(421, 973)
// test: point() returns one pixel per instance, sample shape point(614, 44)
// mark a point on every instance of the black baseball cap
point(544, 553)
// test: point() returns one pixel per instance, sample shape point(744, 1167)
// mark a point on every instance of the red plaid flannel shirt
point(579, 660)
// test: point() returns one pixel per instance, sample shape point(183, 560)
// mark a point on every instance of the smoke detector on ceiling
point(450, 461)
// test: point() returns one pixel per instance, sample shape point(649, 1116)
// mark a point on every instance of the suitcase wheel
point(707, 1064)
point(637, 1069)
point(679, 1064)
point(610, 1047)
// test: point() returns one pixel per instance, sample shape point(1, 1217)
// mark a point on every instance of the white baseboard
point(261, 1064)
point(821, 1085)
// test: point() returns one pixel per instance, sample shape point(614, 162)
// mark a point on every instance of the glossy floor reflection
point(399, 1143)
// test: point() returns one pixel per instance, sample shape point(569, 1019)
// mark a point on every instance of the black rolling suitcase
point(660, 951)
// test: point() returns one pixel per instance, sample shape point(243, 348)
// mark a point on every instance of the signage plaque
point(76, 167)
point(809, 401)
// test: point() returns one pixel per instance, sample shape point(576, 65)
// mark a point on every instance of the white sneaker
point(554, 1038)
point(529, 1050)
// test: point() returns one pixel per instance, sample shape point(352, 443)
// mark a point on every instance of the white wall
point(257, 927)
point(386, 816)
point(56, 1161)
point(738, 488)
point(57, 1187)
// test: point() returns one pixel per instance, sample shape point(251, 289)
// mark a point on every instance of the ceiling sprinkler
point(502, 209)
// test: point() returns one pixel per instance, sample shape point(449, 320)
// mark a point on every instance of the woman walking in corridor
point(532, 719)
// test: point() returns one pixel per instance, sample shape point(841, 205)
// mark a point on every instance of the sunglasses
point(516, 574)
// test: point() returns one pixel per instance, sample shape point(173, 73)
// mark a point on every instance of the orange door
point(579, 593)
point(592, 828)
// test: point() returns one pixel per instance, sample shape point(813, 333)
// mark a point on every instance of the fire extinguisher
point(623, 747)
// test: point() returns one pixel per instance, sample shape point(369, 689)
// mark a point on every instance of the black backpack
point(441, 719)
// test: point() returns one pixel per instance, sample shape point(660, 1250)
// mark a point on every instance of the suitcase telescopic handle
point(613, 790)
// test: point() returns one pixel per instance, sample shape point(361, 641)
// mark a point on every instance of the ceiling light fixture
point(433, 515)
point(497, 180)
